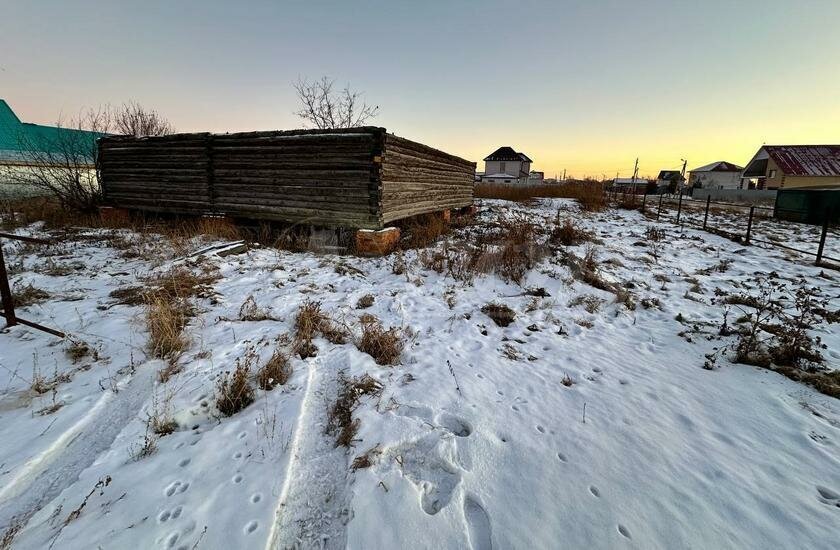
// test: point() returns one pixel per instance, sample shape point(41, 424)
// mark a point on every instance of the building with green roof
point(24, 143)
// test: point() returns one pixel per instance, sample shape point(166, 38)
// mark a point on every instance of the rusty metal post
point(679, 208)
point(822, 240)
point(6, 293)
point(749, 224)
point(643, 201)
point(706, 217)
point(659, 211)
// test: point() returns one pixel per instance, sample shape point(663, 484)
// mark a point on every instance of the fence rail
point(679, 211)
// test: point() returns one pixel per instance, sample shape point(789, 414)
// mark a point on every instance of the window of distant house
point(772, 174)
point(507, 181)
point(501, 167)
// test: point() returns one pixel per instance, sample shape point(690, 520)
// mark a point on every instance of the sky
point(585, 86)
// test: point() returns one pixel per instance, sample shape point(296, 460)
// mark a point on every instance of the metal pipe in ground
point(659, 210)
point(706, 216)
point(822, 240)
point(749, 224)
point(6, 293)
point(679, 208)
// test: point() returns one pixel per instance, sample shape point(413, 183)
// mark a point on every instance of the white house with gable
point(505, 165)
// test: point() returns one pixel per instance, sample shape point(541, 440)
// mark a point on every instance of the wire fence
point(746, 224)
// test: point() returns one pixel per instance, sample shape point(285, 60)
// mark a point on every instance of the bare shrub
point(324, 108)
point(165, 321)
point(385, 346)
point(234, 391)
point(276, 371)
point(132, 119)
point(501, 314)
point(180, 282)
point(340, 415)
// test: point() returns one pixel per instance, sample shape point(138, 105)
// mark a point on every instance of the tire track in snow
point(314, 506)
point(46, 475)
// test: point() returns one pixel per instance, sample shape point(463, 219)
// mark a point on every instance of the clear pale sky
point(583, 85)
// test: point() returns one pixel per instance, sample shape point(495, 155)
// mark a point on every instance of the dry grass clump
point(309, 322)
point(422, 231)
point(182, 282)
point(78, 350)
point(385, 346)
point(234, 392)
point(569, 233)
point(20, 212)
point(165, 321)
point(340, 415)
point(365, 301)
point(28, 295)
point(275, 372)
point(129, 295)
point(515, 250)
point(501, 314)
point(590, 302)
point(588, 192)
point(249, 311)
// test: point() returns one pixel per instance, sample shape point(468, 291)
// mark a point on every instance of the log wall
point(358, 178)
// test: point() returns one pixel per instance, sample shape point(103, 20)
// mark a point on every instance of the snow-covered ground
point(583, 424)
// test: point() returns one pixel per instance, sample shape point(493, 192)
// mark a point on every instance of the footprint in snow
point(176, 487)
point(562, 457)
point(624, 531)
point(478, 524)
point(251, 527)
point(594, 490)
point(827, 496)
point(455, 425)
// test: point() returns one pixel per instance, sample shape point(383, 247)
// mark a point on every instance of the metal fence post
point(822, 240)
point(6, 293)
point(643, 201)
point(706, 216)
point(749, 224)
point(679, 208)
point(659, 211)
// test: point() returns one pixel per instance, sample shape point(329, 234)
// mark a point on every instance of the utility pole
point(635, 173)
point(564, 174)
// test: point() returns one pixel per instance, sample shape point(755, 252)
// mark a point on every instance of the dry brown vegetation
point(422, 231)
point(365, 301)
point(340, 415)
point(501, 314)
point(311, 321)
point(590, 194)
point(385, 346)
point(165, 321)
point(276, 371)
point(234, 392)
point(28, 295)
point(569, 233)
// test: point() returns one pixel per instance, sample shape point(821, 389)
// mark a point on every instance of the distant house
point(505, 165)
point(24, 143)
point(669, 180)
point(717, 175)
point(794, 166)
point(630, 182)
point(536, 176)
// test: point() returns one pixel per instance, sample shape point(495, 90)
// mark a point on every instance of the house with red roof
point(794, 166)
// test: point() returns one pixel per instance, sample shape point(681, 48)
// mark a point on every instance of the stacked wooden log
point(357, 177)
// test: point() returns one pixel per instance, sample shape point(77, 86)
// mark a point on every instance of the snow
point(477, 441)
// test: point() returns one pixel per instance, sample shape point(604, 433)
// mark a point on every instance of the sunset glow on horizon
point(585, 87)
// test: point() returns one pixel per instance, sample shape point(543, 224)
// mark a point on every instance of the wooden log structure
point(363, 178)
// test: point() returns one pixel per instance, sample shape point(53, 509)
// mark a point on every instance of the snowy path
point(48, 474)
point(314, 507)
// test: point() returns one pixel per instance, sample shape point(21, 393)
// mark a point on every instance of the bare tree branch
point(324, 109)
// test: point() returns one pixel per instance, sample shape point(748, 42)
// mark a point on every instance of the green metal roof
point(18, 138)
